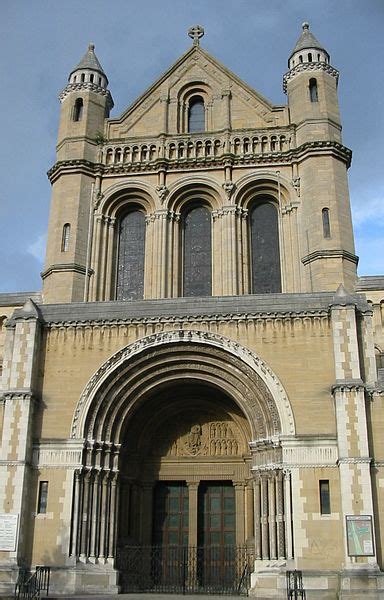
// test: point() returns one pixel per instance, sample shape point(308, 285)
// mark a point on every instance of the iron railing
point(185, 569)
point(30, 586)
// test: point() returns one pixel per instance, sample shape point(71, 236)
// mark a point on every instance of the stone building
point(203, 367)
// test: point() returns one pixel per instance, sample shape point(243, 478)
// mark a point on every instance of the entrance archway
point(170, 420)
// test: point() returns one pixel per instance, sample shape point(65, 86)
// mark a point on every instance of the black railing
point(185, 569)
point(295, 587)
point(30, 586)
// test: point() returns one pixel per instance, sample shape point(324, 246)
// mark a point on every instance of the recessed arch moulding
point(125, 381)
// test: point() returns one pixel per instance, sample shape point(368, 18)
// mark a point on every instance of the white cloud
point(371, 209)
point(37, 248)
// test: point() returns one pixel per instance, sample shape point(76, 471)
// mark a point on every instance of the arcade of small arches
point(200, 243)
point(222, 412)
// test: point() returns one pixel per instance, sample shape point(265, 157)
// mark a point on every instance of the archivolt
point(122, 383)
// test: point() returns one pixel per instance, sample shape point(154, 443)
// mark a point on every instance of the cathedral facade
point(203, 368)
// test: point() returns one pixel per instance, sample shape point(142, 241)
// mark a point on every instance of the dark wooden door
point(217, 533)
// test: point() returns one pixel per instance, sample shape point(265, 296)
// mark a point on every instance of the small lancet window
point(313, 90)
point(309, 57)
point(78, 109)
point(300, 58)
point(83, 77)
point(196, 115)
point(91, 78)
point(326, 223)
point(65, 237)
point(42, 501)
point(325, 499)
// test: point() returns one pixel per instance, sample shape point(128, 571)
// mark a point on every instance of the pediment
point(146, 116)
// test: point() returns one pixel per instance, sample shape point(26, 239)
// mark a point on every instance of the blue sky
point(42, 40)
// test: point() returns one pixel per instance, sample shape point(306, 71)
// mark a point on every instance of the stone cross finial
point(196, 32)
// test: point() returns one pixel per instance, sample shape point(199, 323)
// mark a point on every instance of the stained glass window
point(197, 250)
point(266, 275)
point(130, 263)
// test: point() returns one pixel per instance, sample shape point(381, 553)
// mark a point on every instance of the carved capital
point(162, 192)
point(229, 187)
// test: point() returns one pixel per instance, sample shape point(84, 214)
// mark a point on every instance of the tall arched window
point(130, 256)
point(196, 115)
point(264, 233)
point(65, 237)
point(78, 109)
point(313, 90)
point(197, 252)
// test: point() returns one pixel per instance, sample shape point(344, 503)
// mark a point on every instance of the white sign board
point(8, 531)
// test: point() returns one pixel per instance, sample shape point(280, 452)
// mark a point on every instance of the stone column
point(193, 490)
point(109, 293)
point(240, 513)
point(272, 515)
point(264, 517)
point(257, 504)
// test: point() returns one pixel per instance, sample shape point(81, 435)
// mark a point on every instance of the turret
point(311, 85)
point(328, 253)
point(85, 105)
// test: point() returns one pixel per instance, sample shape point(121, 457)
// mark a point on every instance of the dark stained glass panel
point(197, 255)
point(196, 115)
point(130, 265)
point(266, 275)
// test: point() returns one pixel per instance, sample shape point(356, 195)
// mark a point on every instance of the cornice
point(283, 318)
point(86, 86)
point(75, 165)
point(72, 267)
point(299, 154)
point(311, 67)
point(353, 385)
point(354, 460)
point(330, 253)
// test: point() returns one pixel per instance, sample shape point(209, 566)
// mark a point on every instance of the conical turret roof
point(89, 61)
point(307, 40)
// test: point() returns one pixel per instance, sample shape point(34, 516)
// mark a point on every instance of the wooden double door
point(213, 562)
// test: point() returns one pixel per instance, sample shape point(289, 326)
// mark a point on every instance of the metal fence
point(185, 569)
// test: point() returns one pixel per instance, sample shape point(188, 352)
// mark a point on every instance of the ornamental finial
point(196, 32)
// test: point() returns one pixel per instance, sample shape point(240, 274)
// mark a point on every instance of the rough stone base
point(79, 579)
point(85, 579)
point(327, 585)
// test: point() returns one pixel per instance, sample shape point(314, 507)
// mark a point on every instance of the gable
point(162, 108)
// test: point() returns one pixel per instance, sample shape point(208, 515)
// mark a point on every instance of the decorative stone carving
point(215, 438)
point(162, 192)
point(296, 185)
point(229, 187)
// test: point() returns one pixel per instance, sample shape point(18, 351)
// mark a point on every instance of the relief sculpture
point(217, 438)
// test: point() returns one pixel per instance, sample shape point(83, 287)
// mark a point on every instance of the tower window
point(326, 223)
point(197, 252)
point(300, 58)
point(196, 115)
point(313, 90)
point(65, 237)
point(83, 77)
point(99, 80)
point(91, 77)
point(264, 236)
point(78, 109)
point(43, 497)
point(310, 57)
point(318, 57)
point(325, 500)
